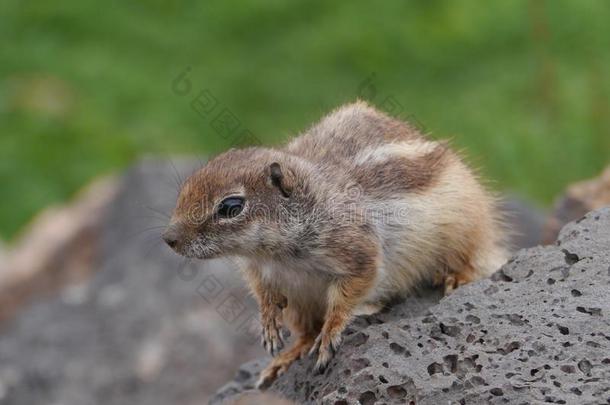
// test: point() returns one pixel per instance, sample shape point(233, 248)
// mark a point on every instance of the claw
point(264, 382)
point(316, 346)
point(326, 349)
point(271, 335)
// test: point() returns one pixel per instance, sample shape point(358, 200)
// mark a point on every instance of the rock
point(262, 398)
point(578, 199)
point(537, 331)
point(106, 314)
point(57, 249)
point(144, 327)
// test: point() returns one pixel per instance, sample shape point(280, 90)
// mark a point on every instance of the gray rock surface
point(145, 329)
point(537, 331)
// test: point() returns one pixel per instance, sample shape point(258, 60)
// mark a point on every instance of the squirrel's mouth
point(198, 250)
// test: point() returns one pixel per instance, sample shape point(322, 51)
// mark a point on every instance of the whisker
point(153, 246)
point(151, 209)
point(171, 185)
point(157, 211)
point(177, 177)
point(150, 229)
point(152, 237)
point(162, 219)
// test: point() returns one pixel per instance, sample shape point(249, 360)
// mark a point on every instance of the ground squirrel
point(354, 212)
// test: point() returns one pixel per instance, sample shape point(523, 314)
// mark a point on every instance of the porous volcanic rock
point(537, 331)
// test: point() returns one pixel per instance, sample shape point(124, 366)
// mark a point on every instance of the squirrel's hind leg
point(280, 363)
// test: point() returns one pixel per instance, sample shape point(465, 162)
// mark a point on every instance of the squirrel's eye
point(230, 207)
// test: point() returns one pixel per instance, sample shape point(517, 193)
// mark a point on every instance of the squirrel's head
point(233, 205)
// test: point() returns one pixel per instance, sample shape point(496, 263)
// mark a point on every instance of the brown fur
point(349, 215)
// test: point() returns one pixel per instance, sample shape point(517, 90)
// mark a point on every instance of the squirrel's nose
point(170, 236)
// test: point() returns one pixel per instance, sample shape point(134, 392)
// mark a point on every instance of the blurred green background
point(86, 87)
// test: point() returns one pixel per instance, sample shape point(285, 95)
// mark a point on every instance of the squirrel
point(353, 213)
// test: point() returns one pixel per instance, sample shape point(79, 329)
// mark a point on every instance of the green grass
point(85, 87)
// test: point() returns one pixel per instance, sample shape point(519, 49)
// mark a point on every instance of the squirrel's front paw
point(326, 345)
point(271, 337)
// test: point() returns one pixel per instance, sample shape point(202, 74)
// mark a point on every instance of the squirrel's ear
point(281, 180)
